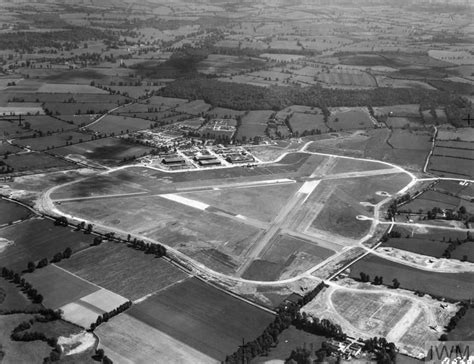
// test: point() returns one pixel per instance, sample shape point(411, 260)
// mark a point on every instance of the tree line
point(250, 97)
point(286, 315)
point(108, 315)
point(26, 287)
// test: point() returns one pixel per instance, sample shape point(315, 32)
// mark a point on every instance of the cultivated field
point(121, 336)
point(35, 239)
point(300, 122)
point(59, 287)
point(123, 270)
point(188, 312)
point(219, 64)
point(36, 162)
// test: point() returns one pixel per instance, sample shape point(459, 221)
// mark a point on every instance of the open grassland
point(354, 78)
point(219, 64)
point(345, 165)
point(123, 270)
point(349, 119)
point(261, 203)
point(456, 286)
point(70, 108)
point(45, 124)
point(254, 123)
point(11, 298)
point(464, 330)
point(454, 153)
point(120, 182)
point(287, 257)
point(139, 179)
point(30, 162)
point(35, 239)
point(301, 121)
point(10, 212)
point(114, 124)
point(451, 167)
point(196, 107)
point(211, 239)
point(105, 151)
point(18, 351)
point(121, 336)
point(338, 216)
point(419, 246)
point(202, 317)
point(59, 287)
point(58, 88)
point(408, 110)
point(430, 199)
point(53, 141)
point(289, 340)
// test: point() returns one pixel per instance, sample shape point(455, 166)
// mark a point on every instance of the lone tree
point(31, 267)
point(67, 253)
point(396, 283)
point(61, 221)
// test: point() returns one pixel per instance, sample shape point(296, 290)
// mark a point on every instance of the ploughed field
point(240, 221)
point(202, 317)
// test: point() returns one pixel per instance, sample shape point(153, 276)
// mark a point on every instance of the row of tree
point(286, 315)
point(378, 280)
point(32, 293)
point(66, 254)
point(108, 315)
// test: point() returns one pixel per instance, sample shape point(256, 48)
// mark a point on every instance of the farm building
point(209, 162)
point(173, 161)
point(239, 158)
point(203, 157)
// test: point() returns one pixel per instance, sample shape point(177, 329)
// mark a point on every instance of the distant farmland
point(202, 317)
point(36, 239)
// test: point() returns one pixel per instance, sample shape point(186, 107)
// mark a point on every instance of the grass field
point(254, 123)
point(34, 161)
point(105, 151)
point(451, 167)
point(119, 124)
point(121, 336)
point(18, 351)
point(354, 78)
point(349, 119)
point(35, 239)
point(408, 110)
point(202, 317)
point(261, 203)
point(419, 246)
point(196, 107)
point(302, 121)
point(430, 199)
point(338, 216)
point(53, 141)
point(211, 239)
point(10, 212)
point(464, 330)
point(219, 64)
point(59, 88)
point(58, 287)
point(123, 270)
point(11, 298)
point(455, 286)
point(289, 340)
